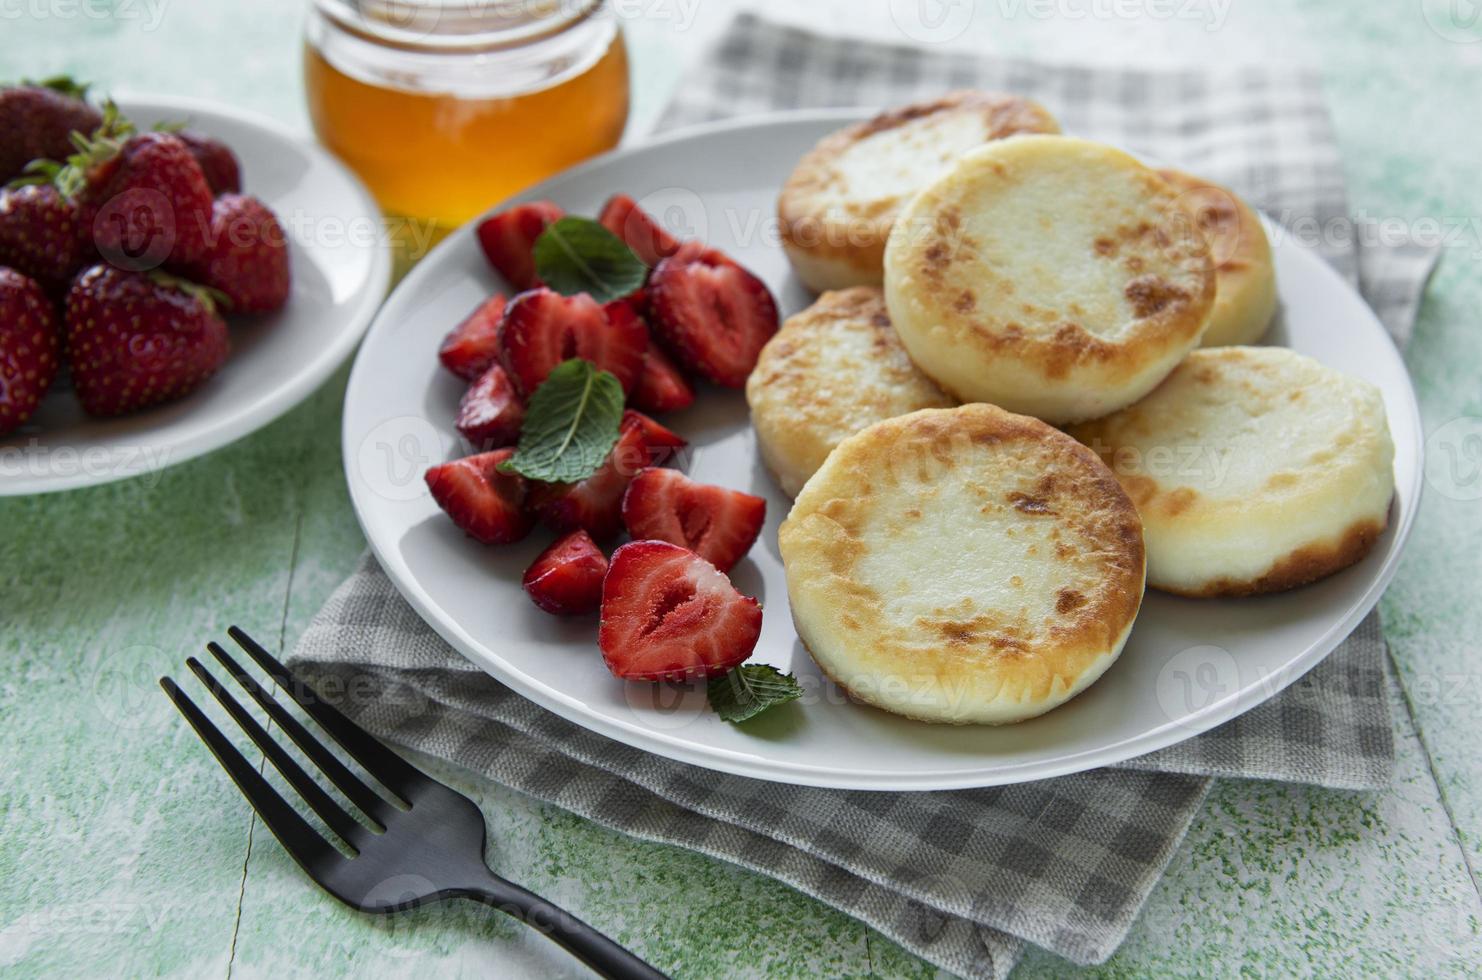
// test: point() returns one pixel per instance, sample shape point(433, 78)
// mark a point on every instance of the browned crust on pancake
point(1302, 567)
point(1166, 312)
point(861, 242)
point(1067, 484)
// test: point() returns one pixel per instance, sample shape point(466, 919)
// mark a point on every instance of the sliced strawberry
point(646, 237)
point(670, 615)
point(596, 503)
point(491, 412)
point(566, 580)
point(484, 502)
point(657, 437)
point(508, 241)
point(717, 524)
point(542, 328)
point(661, 387)
point(714, 315)
point(473, 346)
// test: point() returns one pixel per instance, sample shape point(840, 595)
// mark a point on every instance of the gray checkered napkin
point(961, 878)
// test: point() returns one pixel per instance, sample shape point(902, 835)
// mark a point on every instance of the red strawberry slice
point(246, 256)
point(656, 436)
point(713, 315)
point(542, 328)
point(566, 580)
point(473, 346)
point(137, 339)
point(487, 504)
point(491, 412)
point(639, 231)
point(508, 241)
point(717, 524)
point(670, 615)
point(28, 348)
point(596, 503)
point(661, 387)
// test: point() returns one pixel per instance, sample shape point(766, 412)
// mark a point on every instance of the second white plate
point(341, 267)
point(1188, 666)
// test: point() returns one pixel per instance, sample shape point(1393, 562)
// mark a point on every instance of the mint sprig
point(578, 255)
point(571, 424)
point(749, 690)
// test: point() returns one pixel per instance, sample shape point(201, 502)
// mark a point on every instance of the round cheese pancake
point(1245, 278)
point(832, 370)
point(1255, 470)
point(837, 208)
point(963, 565)
point(1050, 276)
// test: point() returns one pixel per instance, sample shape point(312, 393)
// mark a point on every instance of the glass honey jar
point(446, 107)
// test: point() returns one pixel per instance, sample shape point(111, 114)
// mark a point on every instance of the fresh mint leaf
point(749, 690)
point(571, 424)
point(578, 255)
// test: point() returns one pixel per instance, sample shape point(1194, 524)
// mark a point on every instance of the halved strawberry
point(473, 346)
point(508, 241)
point(622, 216)
point(670, 615)
point(542, 328)
point(566, 580)
point(486, 503)
point(661, 387)
point(713, 314)
point(596, 503)
point(717, 524)
point(655, 435)
point(491, 411)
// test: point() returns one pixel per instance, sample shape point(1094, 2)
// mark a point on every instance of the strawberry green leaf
point(749, 690)
point(571, 424)
point(578, 255)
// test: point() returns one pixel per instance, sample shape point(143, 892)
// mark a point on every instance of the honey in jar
point(445, 108)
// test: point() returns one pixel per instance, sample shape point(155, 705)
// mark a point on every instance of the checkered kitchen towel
point(961, 878)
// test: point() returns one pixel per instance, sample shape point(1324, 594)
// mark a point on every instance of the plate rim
point(300, 386)
point(750, 765)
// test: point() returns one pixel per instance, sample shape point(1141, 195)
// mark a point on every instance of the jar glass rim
point(457, 26)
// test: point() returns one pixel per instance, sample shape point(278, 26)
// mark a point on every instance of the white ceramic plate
point(341, 268)
point(1189, 665)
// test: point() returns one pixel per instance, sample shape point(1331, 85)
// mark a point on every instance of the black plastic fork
point(429, 849)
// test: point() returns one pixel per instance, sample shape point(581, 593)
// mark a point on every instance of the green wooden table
point(123, 850)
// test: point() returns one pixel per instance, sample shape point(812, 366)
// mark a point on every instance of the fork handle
point(579, 939)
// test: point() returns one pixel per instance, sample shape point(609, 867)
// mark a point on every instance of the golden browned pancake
point(1245, 277)
point(1255, 470)
point(831, 370)
point(1048, 275)
point(837, 208)
point(963, 565)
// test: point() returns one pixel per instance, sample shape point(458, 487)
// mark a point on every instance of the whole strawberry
point(38, 121)
point(145, 201)
point(137, 339)
point(246, 256)
point(28, 348)
point(218, 162)
point(41, 235)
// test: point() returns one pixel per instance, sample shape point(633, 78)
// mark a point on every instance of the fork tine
point(323, 804)
point(393, 771)
point(349, 783)
point(301, 841)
